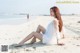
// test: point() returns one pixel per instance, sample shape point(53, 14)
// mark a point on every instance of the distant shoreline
point(38, 15)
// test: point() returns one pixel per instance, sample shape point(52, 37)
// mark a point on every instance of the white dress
point(51, 35)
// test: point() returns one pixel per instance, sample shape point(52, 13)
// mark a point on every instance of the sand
point(14, 32)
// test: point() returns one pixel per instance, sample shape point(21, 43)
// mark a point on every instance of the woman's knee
point(33, 32)
point(39, 26)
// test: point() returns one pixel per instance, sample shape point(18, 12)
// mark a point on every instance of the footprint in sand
point(65, 48)
point(34, 48)
point(28, 50)
point(45, 51)
point(78, 45)
point(69, 41)
point(78, 22)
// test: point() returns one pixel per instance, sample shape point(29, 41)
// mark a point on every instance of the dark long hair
point(57, 15)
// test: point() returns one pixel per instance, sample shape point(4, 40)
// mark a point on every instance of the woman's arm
point(62, 33)
point(56, 23)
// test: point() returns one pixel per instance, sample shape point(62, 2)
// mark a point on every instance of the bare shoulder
point(55, 20)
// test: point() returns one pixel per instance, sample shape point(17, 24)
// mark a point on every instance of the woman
point(52, 31)
point(54, 11)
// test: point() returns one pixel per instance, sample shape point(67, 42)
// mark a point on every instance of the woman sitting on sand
point(52, 32)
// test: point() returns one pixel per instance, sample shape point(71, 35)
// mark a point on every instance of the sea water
point(15, 19)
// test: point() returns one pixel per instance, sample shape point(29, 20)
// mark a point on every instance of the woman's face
point(51, 12)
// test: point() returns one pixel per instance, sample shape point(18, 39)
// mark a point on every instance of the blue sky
point(26, 6)
point(36, 7)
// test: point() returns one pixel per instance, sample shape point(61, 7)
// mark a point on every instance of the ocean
point(15, 19)
point(12, 16)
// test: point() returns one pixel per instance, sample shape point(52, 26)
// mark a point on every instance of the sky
point(36, 7)
point(26, 6)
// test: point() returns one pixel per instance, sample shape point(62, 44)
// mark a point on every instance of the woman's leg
point(33, 34)
point(39, 29)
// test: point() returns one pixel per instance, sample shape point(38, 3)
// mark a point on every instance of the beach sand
point(13, 33)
